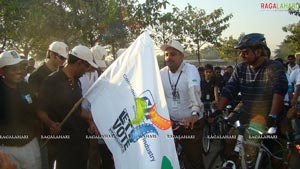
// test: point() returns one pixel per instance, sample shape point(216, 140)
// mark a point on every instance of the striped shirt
point(257, 86)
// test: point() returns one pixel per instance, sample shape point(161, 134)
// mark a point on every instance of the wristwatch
point(195, 113)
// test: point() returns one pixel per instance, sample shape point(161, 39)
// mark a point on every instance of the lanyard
point(174, 86)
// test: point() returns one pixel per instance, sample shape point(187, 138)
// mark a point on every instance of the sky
point(249, 17)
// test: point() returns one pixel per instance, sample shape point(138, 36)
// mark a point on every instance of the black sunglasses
point(61, 57)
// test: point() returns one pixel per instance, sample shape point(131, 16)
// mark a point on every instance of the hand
point(6, 162)
point(211, 117)
point(93, 129)
point(214, 104)
point(54, 128)
point(215, 113)
point(233, 117)
point(294, 101)
point(189, 122)
point(271, 124)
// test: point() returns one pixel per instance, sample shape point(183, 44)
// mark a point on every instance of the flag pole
point(66, 117)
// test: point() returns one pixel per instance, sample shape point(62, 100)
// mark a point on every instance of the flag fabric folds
point(129, 108)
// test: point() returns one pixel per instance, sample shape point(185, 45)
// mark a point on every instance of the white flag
point(129, 108)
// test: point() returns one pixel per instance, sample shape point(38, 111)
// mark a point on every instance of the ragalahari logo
point(146, 121)
point(278, 6)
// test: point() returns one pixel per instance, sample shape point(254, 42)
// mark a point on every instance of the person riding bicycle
point(261, 82)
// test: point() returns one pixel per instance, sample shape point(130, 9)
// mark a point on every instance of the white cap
point(173, 44)
point(99, 53)
point(60, 48)
point(84, 53)
point(8, 58)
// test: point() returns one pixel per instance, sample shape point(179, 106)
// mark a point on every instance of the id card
point(207, 97)
point(176, 100)
point(28, 99)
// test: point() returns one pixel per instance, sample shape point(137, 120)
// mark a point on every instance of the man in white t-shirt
point(292, 65)
point(296, 99)
point(181, 83)
point(293, 71)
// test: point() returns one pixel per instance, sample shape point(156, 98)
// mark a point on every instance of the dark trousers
point(192, 145)
point(107, 158)
point(68, 154)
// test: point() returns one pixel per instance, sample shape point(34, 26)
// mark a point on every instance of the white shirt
point(291, 69)
point(188, 88)
point(87, 80)
point(297, 83)
point(293, 77)
point(286, 97)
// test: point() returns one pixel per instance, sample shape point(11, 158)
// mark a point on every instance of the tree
point(30, 26)
point(11, 17)
point(199, 28)
point(294, 38)
point(283, 51)
point(226, 48)
point(295, 11)
point(210, 52)
point(138, 16)
point(163, 28)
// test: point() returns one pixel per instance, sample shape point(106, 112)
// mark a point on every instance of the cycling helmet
point(251, 40)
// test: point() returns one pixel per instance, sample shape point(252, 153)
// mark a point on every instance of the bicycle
point(260, 141)
point(284, 157)
point(223, 135)
point(207, 128)
point(181, 157)
point(216, 128)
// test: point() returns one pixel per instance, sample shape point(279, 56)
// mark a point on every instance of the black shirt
point(220, 82)
point(18, 118)
point(207, 90)
point(37, 77)
point(57, 97)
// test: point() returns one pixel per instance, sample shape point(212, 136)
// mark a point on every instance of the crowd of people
point(35, 101)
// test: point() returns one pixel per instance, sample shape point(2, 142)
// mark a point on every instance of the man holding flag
point(181, 83)
point(129, 109)
point(60, 91)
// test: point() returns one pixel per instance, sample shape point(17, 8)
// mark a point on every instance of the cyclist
point(261, 82)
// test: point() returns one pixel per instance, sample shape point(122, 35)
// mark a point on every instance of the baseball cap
point(99, 53)
point(84, 53)
point(60, 48)
point(8, 58)
point(173, 44)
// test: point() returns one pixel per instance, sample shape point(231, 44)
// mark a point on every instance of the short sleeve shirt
point(37, 77)
point(57, 97)
point(207, 90)
point(17, 114)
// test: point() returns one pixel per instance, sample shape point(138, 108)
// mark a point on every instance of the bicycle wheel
point(294, 160)
point(263, 161)
point(206, 142)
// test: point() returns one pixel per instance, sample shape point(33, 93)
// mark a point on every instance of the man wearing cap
point(56, 56)
point(99, 53)
point(181, 82)
point(59, 92)
point(17, 115)
point(99, 155)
